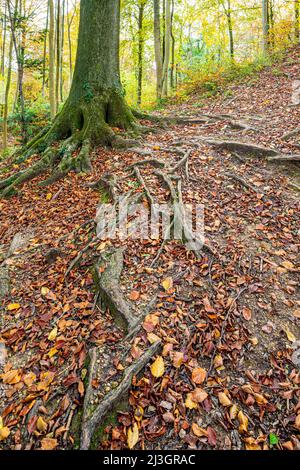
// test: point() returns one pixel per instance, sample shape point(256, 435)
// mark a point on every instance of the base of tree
point(82, 124)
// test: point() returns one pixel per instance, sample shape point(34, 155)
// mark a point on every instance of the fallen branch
point(285, 158)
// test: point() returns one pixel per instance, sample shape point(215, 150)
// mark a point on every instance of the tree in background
point(95, 104)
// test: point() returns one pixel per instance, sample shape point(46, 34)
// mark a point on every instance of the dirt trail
point(227, 322)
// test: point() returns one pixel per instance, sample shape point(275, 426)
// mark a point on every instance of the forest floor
point(223, 327)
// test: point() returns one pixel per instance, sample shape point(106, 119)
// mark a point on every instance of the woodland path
point(225, 325)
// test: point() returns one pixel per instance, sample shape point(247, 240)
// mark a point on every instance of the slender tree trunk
point(167, 49)
point(62, 52)
point(172, 74)
point(265, 26)
point(7, 88)
point(20, 54)
point(69, 23)
point(140, 50)
point(297, 17)
point(45, 51)
point(157, 47)
point(230, 30)
point(3, 42)
point(58, 51)
point(51, 59)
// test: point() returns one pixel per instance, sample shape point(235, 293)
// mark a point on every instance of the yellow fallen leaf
point(45, 290)
point(158, 367)
point(4, 433)
point(167, 283)
point(52, 352)
point(12, 307)
point(224, 400)
point(48, 443)
point(260, 399)
point(233, 412)
point(49, 196)
point(52, 334)
point(199, 432)
point(41, 425)
point(29, 378)
point(243, 420)
point(153, 338)
point(11, 377)
point(290, 336)
point(287, 265)
point(1, 422)
point(133, 436)
point(189, 403)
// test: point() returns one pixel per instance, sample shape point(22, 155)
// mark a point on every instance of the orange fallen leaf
point(198, 375)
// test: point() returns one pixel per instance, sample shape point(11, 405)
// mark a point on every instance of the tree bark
point(45, 51)
point(58, 52)
point(265, 26)
point(7, 88)
point(140, 50)
point(158, 49)
point(167, 48)
point(51, 60)
point(297, 17)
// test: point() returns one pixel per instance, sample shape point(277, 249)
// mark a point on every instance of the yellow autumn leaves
point(4, 430)
point(158, 367)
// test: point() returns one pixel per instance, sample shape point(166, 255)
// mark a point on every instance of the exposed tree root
point(246, 148)
point(285, 158)
point(240, 180)
point(108, 284)
point(291, 134)
point(91, 420)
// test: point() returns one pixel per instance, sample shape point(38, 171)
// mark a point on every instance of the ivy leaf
point(273, 439)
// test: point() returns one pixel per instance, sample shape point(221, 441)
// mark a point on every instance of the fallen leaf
point(224, 400)
point(52, 334)
point(167, 283)
point(11, 377)
point(178, 358)
point(243, 420)
point(158, 367)
point(199, 395)
point(189, 403)
point(48, 443)
point(133, 436)
point(198, 375)
point(199, 432)
point(41, 425)
point(247, 313)
point(4, 433)
point(290, 336)
point(134, 295)
point(12, 307)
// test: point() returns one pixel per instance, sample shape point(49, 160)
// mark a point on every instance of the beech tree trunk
point(158, 49)
point(51, 59)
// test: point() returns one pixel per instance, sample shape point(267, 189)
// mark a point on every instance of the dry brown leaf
point(199, 395)
point(47, 443)
point(198, 375)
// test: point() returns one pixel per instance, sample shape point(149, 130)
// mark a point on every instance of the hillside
point(209, 343)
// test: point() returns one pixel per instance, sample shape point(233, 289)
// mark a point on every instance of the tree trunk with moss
point(95, 105)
